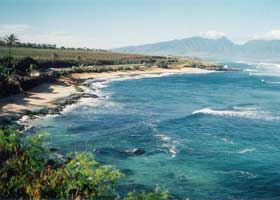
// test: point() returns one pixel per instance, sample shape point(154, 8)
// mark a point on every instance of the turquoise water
point(207, 136)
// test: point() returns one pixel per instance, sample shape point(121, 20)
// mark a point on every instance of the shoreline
point(148, 71)
point(52, 97)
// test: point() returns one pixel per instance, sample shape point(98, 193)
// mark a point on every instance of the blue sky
point(115, 23)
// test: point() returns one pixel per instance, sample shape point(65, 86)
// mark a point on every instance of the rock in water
point(138, 151)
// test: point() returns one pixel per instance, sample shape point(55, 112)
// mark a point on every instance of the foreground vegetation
point(29, 170)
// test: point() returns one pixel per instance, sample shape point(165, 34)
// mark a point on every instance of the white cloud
point(271, 35)
point(212, 34)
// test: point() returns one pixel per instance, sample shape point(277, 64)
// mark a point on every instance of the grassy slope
point(100, 59)
point(67, 55)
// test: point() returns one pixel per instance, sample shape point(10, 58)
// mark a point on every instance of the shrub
point(25, 66)
point(162, 63)
point(7, 62)
point(26, 172)
point(157, 194)
point(3, 72)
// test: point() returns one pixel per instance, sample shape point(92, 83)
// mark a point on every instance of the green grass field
point(69, 55)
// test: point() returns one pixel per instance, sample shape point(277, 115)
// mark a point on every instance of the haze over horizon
point(110, 24)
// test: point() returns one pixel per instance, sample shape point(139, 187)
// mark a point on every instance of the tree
point(11, 41)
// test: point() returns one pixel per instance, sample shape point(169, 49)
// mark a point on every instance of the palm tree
point(10, 41)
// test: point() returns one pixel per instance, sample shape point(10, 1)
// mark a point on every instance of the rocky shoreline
point(60, 105)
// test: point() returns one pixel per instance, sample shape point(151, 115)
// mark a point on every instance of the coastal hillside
point(25, 65)
point(221, 48)
point(68, 57)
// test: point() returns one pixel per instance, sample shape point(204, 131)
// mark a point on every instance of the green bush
point(162, 63)
point(25, 66)
point(157, 194)
point(26, 172)
point(3, 72)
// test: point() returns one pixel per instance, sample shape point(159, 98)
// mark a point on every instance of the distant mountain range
point(221, 49)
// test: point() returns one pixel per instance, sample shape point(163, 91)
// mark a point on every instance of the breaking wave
point(246, 150)
point(249, 114)
point(271, 82)
point(250, 70)
point(168, 143)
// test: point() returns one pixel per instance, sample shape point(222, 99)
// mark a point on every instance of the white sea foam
point(245, 107)
point(245, 173)
point(266, 69)
point(24, 119)
point(268, 64)
point(242, 151)
point(272, 82)
point(259, 63)
point(93, 87)
point(169, 144)
point(262, 68)
point(171, 148)
point(266, 73)
point(246, 62)
point(28, 122)
point(83, 103)
point(228, 141)
point(164, 138)
point(225, 112)
point(250, 70)
point(250, 114)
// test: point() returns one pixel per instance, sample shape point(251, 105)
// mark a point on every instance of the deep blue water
point(207, 136)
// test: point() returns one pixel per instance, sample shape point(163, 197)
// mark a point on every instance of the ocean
point(201, 136)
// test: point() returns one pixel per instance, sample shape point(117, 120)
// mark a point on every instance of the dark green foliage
point(25, 66)
point(14, 75)
point(11, 40)
point(3, 72)
point(9, 144)
point(58, 73)
point(157, 194)
point(162, 63)
point(8, 62)
point(26, 173)
point(34, 45)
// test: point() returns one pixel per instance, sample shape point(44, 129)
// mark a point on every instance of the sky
point(109, 24)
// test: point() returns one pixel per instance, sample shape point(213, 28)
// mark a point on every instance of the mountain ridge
point(220, 48)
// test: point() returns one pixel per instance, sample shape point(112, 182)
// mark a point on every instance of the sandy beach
point(152, 70)
point(47, 94)
point(42, 96)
